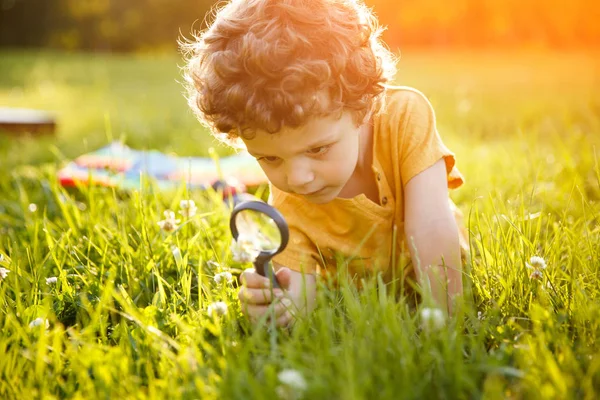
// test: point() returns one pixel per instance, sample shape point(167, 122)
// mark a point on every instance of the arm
point(432, 235)
point(297, 297)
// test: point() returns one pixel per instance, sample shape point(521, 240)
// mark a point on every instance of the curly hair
point(263, 64)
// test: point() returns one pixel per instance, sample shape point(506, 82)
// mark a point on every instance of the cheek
point(344, 160)
point(275, 177)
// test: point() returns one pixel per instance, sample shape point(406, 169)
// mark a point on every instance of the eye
point(319, 150)
point(269, 159)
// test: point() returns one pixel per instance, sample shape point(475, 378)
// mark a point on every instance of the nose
point(299, 175)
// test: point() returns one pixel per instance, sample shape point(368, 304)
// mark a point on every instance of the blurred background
point(110, 69)
point(111, 25)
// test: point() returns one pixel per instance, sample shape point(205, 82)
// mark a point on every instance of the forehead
point(317, 131)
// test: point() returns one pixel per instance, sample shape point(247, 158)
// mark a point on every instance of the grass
point(128, 313)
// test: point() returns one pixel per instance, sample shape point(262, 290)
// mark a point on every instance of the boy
point(355, 166)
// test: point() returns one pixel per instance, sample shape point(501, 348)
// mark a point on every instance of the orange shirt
point(359, 231)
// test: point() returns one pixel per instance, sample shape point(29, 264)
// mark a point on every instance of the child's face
point(315, 160)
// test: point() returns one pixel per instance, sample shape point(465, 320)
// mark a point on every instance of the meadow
point(96, 301)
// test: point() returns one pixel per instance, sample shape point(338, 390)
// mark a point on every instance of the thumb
point(284, 277)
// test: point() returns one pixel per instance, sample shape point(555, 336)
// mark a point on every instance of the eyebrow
point(319, 143)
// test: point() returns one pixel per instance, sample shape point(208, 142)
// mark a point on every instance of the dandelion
point(293, 378)
point(169, 224)
point(51, 281)
point(245, 249)
point(39, 322)
point(3, 273)
point(432, 319)
point(292, 385)
point(222, 277)
point(32, 207)
point(187, 208)
point(536, 274)
point(218, 308)
point(536, 263)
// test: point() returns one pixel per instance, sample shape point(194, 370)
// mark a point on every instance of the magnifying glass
point(262, 228)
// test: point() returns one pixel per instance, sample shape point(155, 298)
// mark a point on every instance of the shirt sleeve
point(420, 144)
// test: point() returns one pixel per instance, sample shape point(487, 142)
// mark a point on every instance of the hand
point(256, 296)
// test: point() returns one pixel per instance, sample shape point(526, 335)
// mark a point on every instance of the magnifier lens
point(260, 227)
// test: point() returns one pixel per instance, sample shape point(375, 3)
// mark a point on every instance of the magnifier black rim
point(270, 211)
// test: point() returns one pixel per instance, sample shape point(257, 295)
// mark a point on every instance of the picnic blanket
point(118, 165)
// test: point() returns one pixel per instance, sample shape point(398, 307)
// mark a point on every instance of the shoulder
point(404, 102)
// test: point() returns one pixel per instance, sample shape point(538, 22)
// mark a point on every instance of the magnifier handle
point(266, 270)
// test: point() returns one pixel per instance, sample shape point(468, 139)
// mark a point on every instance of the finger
point(258, 296)
point(284, 320)
point(284, 277)
point(282, 306)
point(252, 279)
point(256, 312)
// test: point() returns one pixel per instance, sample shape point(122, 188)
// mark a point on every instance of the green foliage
point(128, 313)
point(100, 24)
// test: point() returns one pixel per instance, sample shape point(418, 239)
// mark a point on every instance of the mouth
point(316, 192)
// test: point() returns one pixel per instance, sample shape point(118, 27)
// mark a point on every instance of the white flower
point(169, 224)
point(536, 263)
point(432, 319)
point(188, 208)
point(51, 281)
point(292, 379)
point(223, 276)
point(245, 249)
point(39, 322)
point(3, 273)
point(32, 207)
point(218, 308)
point(536, 274)
point(480, 316)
